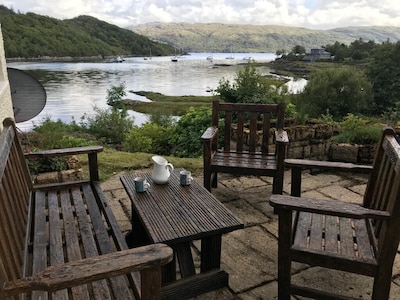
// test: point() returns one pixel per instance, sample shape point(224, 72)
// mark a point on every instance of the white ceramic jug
point(162, 169)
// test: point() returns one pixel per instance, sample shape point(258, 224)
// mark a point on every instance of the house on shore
point(317, 54)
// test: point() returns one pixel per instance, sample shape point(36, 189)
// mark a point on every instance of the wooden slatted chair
point(361, 239)
point(246, 151)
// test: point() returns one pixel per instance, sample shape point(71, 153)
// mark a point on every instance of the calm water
point(75, 88)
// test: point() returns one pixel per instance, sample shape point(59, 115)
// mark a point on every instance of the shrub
point(150, 138)
point(108, 125)
point(340, 90)
point(356, 130)
point(185, 137)
point(249, 86)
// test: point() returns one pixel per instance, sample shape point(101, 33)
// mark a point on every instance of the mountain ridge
point(219, 37)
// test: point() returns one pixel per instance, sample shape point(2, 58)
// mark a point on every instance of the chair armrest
point(326, 207)
point(209, 134)
point(92, 269)
point(281, 136)
point(307, 163)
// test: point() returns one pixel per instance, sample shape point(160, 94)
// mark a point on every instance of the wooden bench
point(61, 241)
point(356, 238)
point(245, 150)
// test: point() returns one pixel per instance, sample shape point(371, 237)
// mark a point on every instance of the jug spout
point(162, 170)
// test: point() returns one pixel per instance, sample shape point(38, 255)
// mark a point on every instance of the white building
point(6, 108)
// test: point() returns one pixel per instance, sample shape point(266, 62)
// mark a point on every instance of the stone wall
point(310, 141)
point(313, 141)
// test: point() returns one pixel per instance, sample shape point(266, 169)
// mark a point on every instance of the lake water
point(74, 88)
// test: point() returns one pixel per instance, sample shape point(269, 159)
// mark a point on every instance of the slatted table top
point(172, 213)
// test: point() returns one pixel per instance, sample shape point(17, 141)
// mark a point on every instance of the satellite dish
point(27, 94)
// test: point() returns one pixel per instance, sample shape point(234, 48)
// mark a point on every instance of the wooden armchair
point(246, 150)
point(361, 239)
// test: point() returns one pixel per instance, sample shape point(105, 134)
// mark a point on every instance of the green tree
point(384, 74)
point(298, 50)
point(115, 94)
point(250, 86)
point(339, 91)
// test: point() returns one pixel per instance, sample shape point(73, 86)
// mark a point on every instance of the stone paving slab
point(249, 255)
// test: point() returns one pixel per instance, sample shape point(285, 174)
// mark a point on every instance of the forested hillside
point(31, 36)
point(216, 37)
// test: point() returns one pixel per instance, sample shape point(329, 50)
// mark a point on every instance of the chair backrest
point(254, 130)
point(15, 191)
point(383, 193)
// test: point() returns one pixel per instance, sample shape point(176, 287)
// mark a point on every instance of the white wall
point(6, 109)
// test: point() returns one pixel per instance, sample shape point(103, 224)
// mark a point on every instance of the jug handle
point(169, 166)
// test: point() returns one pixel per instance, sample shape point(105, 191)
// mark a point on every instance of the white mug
point(141, 184)
point(185, 177)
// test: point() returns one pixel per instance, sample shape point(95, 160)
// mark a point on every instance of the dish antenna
point(27, 94)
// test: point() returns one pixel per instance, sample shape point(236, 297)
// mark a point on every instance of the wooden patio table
point(178, 215)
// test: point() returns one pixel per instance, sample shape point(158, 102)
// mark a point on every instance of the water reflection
point(75, 88)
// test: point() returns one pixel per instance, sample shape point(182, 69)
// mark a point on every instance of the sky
point(313, 14)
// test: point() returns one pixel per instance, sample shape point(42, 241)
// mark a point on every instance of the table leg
point(185, 259)
point(169, 272)
point(211, 253)
point(137, 236)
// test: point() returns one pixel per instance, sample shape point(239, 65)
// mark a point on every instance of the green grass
point(112, 162)
point(172, 105)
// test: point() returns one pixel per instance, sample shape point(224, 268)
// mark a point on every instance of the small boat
point(118, 60)
point(174, 59)
point(247, 58)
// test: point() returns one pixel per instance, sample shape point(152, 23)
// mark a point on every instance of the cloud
point(317, 14)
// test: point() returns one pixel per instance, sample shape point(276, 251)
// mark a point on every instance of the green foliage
point(357, 130)
point(339, 90)
point(384, 74)
point(50, 164)
point(108, 125)
point(249, 86)
point(150, 138)
point(115, 94)
point(161, 118)
point(392, 115)
point(185, 137)
point(51, 134)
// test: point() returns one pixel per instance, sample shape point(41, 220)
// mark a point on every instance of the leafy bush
point(356, 130)
point(340, 90)
point(51, 164)
point(185, 137)
point(150, 138)
point(249, 86)
point(108, 125)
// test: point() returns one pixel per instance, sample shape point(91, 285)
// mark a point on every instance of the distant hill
point(216, 37)
point(32, 36)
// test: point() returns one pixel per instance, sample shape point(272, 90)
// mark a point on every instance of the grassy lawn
point(112, 162)
point(170, 105)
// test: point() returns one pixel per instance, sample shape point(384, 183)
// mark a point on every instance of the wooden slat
point(56, 243)
point(331, 234)
point(103, 240)
point(39, 259)
point(239, 132)
point(84, 223)
point(316, 232)
point(346, 237)
point(302, 228)
point(72, 247)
